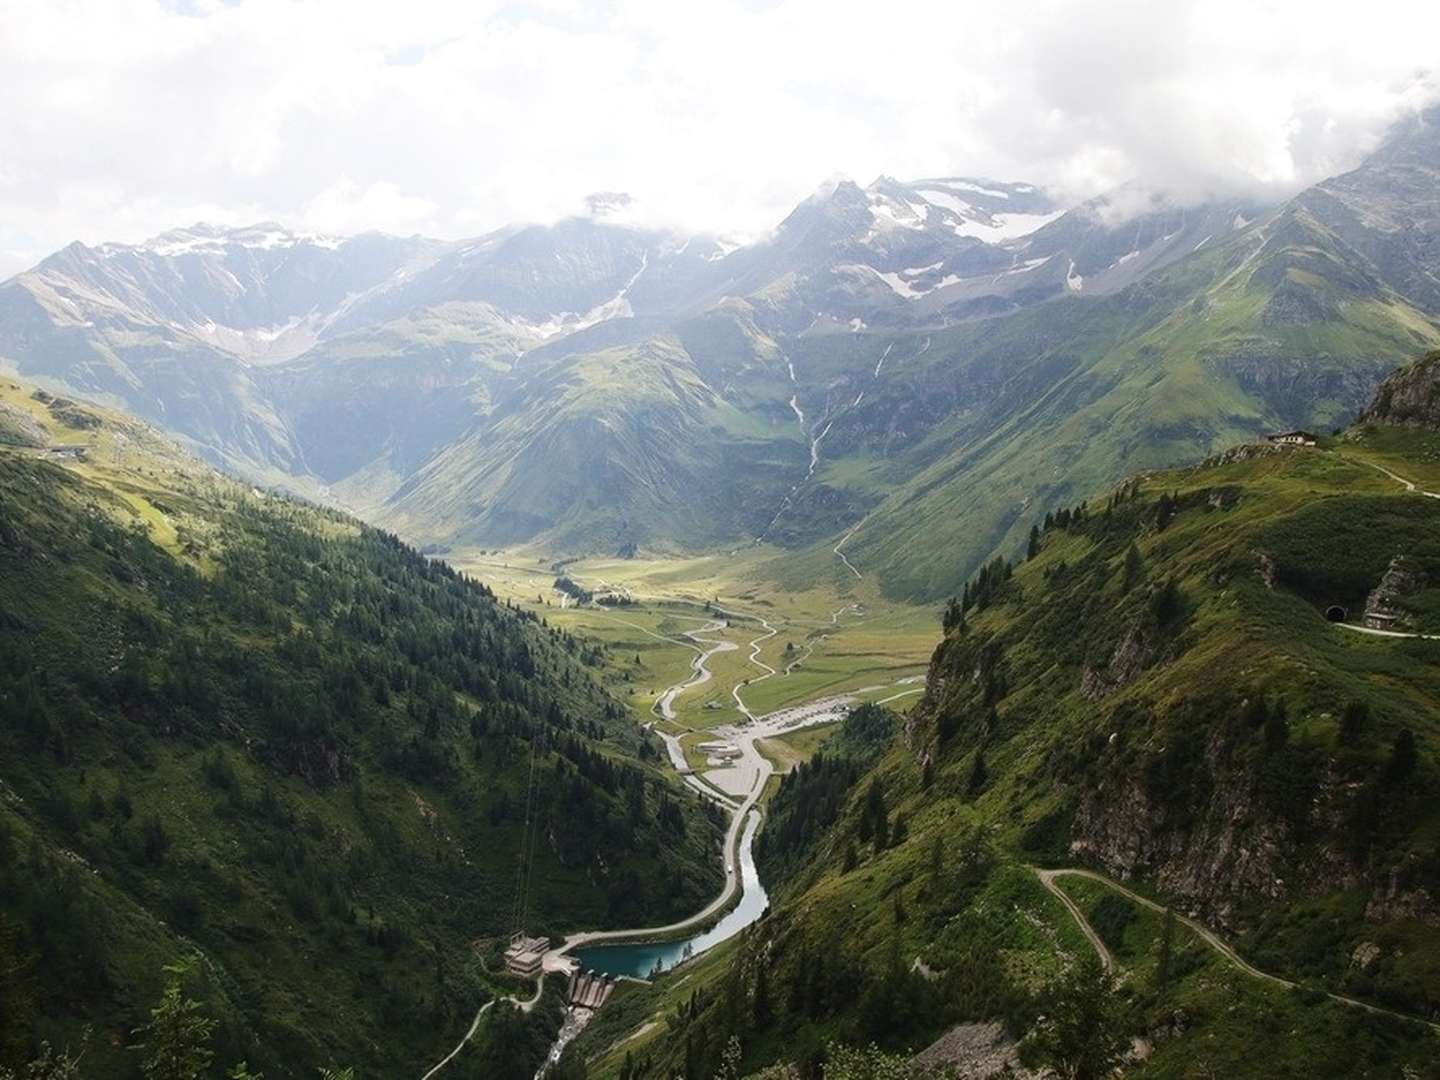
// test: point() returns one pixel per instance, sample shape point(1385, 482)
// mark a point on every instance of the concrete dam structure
point(589, 989)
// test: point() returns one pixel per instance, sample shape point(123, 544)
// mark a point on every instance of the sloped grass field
point(292, 745)
point(1161, 668)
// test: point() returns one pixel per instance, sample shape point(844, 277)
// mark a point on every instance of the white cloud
point(127, 117)
point(345, 208)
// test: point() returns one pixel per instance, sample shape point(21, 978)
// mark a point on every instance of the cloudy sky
point(123, 118)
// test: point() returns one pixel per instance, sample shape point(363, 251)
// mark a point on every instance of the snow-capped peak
point(203, 238)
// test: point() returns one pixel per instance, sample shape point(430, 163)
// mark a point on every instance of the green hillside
point(1155, 695)
point(243, 727)
point(942, 445)
point(630, 444)
point(971, 432)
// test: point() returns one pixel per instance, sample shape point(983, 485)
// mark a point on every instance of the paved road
point(702, 673)
point(1412, 487)
point(897, 697)
point(557, 960)
point(1047, 878)
point(755, 660)
point(810, 648)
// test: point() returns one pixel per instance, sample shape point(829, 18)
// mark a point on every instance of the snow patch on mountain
point(1026, 266)
point(1005, 226)
point(946, 201)
point(203, 239)
point(887, 213)
point(966, 185)
point(904, 283)
point(569, 322)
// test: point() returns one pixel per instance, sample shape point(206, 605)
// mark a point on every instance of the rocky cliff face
point(1410, 397)
point(1385, 606)
point(1191, 719)
point(1225, 843)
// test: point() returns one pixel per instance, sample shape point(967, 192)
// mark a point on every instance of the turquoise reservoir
point(643, 959)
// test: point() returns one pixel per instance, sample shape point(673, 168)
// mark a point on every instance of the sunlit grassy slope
point(1277, 326)
point(243, 726)
point(1180, 724)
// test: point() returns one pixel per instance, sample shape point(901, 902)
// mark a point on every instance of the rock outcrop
point(1410, 397)
point(974, 1052)
point(1135, 652)
point(18, 428)
point(1385, 606)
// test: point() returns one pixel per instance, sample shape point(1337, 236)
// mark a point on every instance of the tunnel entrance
point(1335, 613)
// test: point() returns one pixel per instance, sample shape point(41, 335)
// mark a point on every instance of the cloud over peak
point(453, 118)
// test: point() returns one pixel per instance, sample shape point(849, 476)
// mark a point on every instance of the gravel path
point(1047, 878)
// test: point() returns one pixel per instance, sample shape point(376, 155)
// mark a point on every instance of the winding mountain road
point(525, 1004)
point(810, 648)
point(1047, 878)
point(1386, 633)
point(1414, 489)
point(699, 666)
point(1410, 485)
point(754, 657)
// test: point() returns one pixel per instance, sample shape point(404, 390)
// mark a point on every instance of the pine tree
point(1160, 978)
point(1402, 757)
point(1164, 511)
point(1083, 1037)
point(874, 821)
point(1277, 727)
point(935, 865)
point(1033, 547)
point(49, 1065)
point(975, 782)
point(1134, 566)
point(760, 1007)
point(174, 1041)
point(1353, 722)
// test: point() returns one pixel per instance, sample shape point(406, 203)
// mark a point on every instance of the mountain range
point(891, 361)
